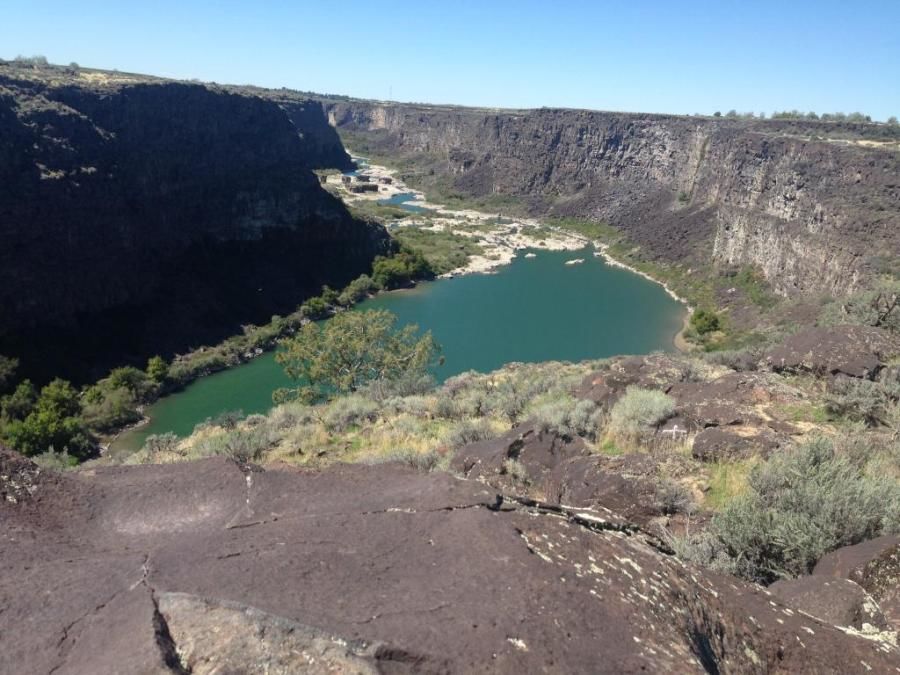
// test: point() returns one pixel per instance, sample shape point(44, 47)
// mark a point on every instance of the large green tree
point(351, 350)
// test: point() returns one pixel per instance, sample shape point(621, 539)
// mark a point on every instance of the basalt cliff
point(815, 206)
point(142, 216)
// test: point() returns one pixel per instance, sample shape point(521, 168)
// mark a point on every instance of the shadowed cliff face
point(812, 214)
point(152, 217)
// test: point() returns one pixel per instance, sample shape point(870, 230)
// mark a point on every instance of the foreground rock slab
point(203, 566)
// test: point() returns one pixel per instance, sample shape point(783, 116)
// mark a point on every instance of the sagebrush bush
point(800, 505)
point(348, 411)
point(859, 400)
point(468, 431)
point(673, 497)
point(639, 411)
point(247, 444)
point(516, 470)
point(421, 461)
point(157, 444)
point(741, 360)
point(567, 417)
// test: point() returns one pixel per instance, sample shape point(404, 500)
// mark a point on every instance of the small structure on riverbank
point(346, 180)
point(362, 179)
point(386, 180)
point(365, 187)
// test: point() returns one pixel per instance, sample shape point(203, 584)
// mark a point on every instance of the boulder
point(838, 601)
point(875, 566)
point(716, 444)
point(211, 566)
point(855, 351)
point(606, 386)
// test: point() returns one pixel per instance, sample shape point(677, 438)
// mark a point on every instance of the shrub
point(639, 411)
point(705, 321)
point(356, 290)
point(421, 461)
point(878, 306)
point(567, 417)
point(858, 400)
point(158, 444)
point(400, 269)
point(348, 411)
point(468, 431)
point(247, 445)
point(800, 504)
point(55, 461)
point(226, 420)
point(51, 421)
point(111, 409)
point(673, 497)
point(157, 369)
point(741, 360)
point(315, 308)
point(516, 470)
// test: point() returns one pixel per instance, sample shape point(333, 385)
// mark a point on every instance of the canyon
point(814, 206)
point(142, 216)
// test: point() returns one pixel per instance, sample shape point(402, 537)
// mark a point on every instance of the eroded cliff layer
point(140, 216)
point(815, 206)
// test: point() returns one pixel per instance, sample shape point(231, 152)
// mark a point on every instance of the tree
point(157, 369)
point(351, 350)
point(705, 321)
point(892, 120)
point(400, 269)
point(53, 422)
point(717, 114)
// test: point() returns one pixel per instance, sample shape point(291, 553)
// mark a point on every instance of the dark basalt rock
point(378, 567)
point(716, 444)
point(855, 351)
point(142, 217)
point(875, 566)
point(837, 601)
point(775, 195)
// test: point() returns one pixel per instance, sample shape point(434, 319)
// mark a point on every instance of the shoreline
point(501, 249)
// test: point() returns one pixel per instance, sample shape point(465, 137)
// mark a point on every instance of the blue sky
point(651, 56)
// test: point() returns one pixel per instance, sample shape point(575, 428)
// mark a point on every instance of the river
point(535, 309)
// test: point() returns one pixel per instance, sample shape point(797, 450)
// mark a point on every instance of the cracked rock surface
point(211, 567)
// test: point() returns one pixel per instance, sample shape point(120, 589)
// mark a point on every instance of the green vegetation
point(34, 423)
point(798, 506)
point(755, 287)
point(705, 321)
point(350, 351)
point(444, 250)
point(401, 269)
point(878, 306)
point(638, 413)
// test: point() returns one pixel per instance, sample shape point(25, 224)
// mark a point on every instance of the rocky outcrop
point(854, 351)
point(203, 566)
point(142, 216)
point(812, 205)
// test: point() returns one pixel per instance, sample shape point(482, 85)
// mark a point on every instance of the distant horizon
point(730, 114)
point(682, 59)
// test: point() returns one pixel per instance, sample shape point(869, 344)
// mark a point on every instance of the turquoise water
point(405, 201)
point(535, 309)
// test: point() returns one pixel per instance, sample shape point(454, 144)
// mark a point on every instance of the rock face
point(811, 214)
point(151, 216)
point(207, 566)
point(854, 351)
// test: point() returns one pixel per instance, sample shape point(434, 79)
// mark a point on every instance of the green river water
point(535, 309)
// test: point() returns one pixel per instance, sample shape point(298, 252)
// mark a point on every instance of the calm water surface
point(535, 309)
